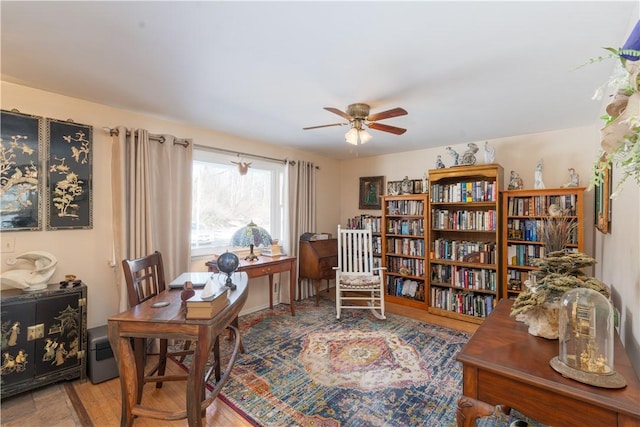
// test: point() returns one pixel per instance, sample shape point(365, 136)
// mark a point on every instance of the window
point(224, 201)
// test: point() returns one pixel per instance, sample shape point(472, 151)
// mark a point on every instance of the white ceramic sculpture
point(538, 184)
point(574, 179)
point(489, 153)
point(34, 279)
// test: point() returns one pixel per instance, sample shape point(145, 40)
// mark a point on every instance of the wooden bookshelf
point(524, 212)
point(405, 248)
point(464, 241)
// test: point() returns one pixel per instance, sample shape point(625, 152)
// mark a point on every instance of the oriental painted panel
point(21, 180)
point(69, 185)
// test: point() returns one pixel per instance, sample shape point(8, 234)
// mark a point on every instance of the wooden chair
point(145, 279)
point(355, 278)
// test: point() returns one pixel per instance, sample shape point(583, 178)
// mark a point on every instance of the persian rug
point(315, 370)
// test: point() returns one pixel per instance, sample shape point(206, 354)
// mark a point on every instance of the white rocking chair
point(355, 273)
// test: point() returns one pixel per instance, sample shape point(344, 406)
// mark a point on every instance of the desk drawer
point(545, 406)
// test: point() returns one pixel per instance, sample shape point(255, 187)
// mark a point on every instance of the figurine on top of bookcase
point(574, 179)
point(489, 153)
point(538, 184)
point(515, 182)
point(469, 156)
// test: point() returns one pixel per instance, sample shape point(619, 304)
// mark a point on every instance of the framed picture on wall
point(602, 195)
point(69, 186)
point(21, 179)
point(371, 190)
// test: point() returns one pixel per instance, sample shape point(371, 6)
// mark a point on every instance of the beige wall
point(617, 254)
point(88, 253)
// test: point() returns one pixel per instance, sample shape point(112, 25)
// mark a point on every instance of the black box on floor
point(101, 364)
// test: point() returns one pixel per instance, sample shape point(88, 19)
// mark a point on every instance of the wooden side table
point(267, 266)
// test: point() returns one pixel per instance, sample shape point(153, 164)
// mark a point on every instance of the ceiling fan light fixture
point(352, 136)
point(364, 136)
point(357, 136)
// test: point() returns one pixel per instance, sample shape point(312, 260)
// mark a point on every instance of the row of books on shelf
point(399, 287)
point(532, 230)
point(524, 255)
point(405, 266)
point(376, 244)
point(363, 222)
point(405, 207)
point(464, 192)
point(461, 250)
point(407, 227)
point(463, 302)
point(444, 219)
point(464, 277)
point(539, 205)
point(406, 246)
point(524, 229)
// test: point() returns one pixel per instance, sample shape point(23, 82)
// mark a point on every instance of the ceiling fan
point(358, 116)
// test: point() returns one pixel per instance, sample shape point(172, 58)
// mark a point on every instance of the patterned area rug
point(314, 370)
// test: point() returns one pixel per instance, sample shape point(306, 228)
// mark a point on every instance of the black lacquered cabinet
point(44, 337)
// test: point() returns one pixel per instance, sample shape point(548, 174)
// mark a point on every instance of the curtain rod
point(159, 138)
point(238, 153)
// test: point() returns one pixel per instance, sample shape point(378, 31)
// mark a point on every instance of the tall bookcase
point(405, 248)
point(524, 212)
point(464, 241)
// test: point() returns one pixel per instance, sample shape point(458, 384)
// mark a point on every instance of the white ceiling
point(465, 71)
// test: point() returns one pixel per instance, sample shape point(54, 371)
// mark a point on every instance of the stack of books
point(197, 308)
point(272, 251)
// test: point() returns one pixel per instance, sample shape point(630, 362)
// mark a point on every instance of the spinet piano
point(316, 260)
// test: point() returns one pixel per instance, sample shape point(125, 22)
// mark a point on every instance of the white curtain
point(301, 209)
point(151, 201)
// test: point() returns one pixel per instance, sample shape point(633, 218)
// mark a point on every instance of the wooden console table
point(505, 365)
point(146, 321)
point(267, 266)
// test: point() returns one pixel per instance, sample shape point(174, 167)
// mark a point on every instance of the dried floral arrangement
point(559, 272)
point(558, 232)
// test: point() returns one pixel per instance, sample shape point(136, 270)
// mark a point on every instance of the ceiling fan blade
point(386, 128)
point(387, 114)
point(338, 112)
point(325, 126)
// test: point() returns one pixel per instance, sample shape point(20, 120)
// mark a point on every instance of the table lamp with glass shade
point(251, 235)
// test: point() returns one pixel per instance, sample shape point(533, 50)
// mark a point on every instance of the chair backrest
point(144, 276)
point(355, 251)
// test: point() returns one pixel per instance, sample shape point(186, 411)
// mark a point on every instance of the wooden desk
point(267, 266)
point(144, 321)
point(505, 365)
point(317, 259)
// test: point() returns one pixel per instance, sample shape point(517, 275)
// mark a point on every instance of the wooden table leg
point(196, 380)
point(317, 284)
point(139, 349)
point(129, 385)
point(469, 410)
point(271, 291)
point(292, 286)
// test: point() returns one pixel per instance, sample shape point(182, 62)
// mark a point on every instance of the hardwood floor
point(102, 401)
